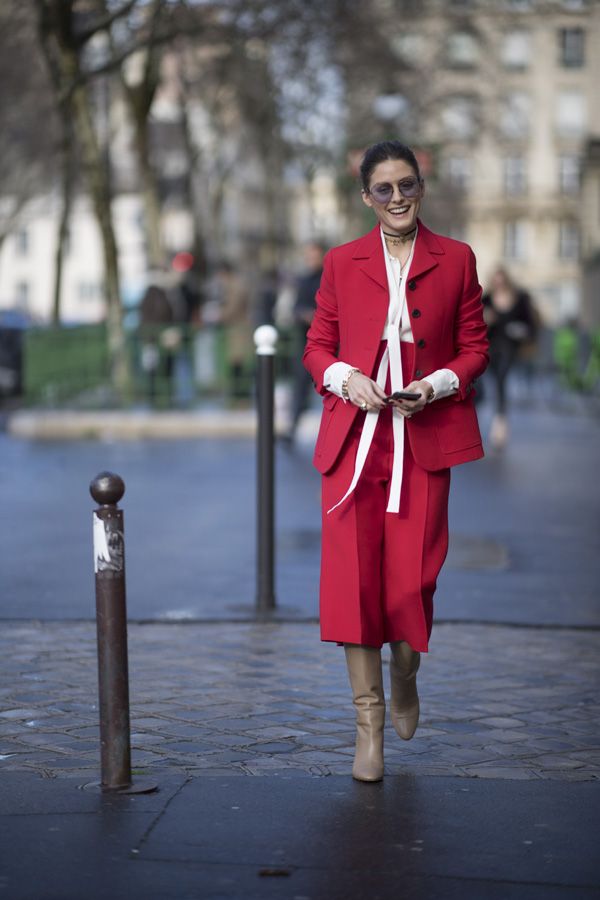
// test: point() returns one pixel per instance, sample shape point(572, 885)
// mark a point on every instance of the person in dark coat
point(512, 323)
point(157, 351)
point(304, 310)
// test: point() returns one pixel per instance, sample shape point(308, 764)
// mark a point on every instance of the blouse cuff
point(444, 383)
point(334, 376)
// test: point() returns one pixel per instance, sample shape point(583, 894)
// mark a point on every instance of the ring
point(364, 406)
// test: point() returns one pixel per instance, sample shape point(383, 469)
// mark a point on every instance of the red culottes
point(379, 570)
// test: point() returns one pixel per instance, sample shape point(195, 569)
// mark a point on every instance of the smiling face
point(399, 214)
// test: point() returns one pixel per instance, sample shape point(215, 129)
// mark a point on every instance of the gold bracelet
point(351, 372)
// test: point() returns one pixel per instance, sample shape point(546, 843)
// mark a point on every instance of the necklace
point(396, 239)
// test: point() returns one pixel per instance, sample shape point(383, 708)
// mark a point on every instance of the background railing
point(62, 363)
point(180, 366)
point(174, 366)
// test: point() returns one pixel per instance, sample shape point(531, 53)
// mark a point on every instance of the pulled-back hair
point(378, 153)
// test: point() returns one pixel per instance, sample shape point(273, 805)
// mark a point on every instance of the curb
point(135, 425)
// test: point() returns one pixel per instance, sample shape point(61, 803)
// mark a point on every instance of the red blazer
point(444, 300)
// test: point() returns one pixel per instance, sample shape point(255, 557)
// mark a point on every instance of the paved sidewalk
point(271, 699)
point(415, 838)
point(497, 797)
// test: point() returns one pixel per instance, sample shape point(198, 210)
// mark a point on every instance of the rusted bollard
point(265, 338)
point(111, 623)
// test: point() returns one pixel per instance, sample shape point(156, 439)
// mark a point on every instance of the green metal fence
point(170, 366)
point(61, 363)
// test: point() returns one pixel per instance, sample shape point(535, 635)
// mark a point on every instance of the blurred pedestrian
point(159, 339)
point(512, 324)
point(398, 310)
point(187, 301)
point(234, 314)
point(267, 297)
point(305, 305)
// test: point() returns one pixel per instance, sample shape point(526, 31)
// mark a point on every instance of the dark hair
point(378, 153)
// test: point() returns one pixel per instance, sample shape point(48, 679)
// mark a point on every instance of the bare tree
point(65, 28)
point(139, 77)
point(26, 162)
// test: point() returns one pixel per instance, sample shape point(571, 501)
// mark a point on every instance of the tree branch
point(105, 22)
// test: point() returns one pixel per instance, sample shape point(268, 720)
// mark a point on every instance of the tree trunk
point(155, 249)
point(62, 51)
point(99, 188)
point(65, 214)
point(192, 153)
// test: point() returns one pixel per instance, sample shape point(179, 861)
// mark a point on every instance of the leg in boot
point(404, 663)
point(366, 680)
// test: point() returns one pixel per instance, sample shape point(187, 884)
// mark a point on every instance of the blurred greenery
point(172, 366)
point(60, 362)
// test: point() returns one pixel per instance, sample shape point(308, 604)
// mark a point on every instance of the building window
point(570, 113)
point(22, 242)
point(22, 294)
point(568, 242)
point(462, 50)
point(459, 117)
point(87, 290)
point(574, 5)
point(515, 238)
point(516, 49)
point(571, 42)
point(569, 174)
point(390, 106)
point(515, 175)
point(458, 171)
point(515, 115)
point(569, 300)
point(409, 47)
point(519, 5)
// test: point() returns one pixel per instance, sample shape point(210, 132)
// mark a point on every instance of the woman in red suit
point(398, 310)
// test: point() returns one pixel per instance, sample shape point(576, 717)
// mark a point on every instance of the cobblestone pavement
point(269, 699)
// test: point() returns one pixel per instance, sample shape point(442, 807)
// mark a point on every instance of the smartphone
point(402, 395)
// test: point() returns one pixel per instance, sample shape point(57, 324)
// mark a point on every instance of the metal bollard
point(111, 622)
point(265, 339)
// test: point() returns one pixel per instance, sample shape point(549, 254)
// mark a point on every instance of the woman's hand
point(409, 407)
point(361, 390)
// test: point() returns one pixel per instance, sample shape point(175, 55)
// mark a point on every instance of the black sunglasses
point(383, 193)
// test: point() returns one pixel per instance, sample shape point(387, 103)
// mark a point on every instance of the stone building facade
point(501, 97)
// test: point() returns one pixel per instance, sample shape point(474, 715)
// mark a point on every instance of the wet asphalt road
point(524, 526)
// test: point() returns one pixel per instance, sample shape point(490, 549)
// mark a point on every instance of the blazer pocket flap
point(330, 400)
point(457, 428)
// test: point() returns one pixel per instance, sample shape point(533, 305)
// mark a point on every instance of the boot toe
point(405, 724)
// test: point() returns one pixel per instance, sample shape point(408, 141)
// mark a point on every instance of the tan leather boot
point(404, 663)
point(366, 680)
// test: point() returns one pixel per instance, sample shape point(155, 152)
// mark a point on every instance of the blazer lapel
point(372, 297)
point(427, 251)
point(369, 253)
